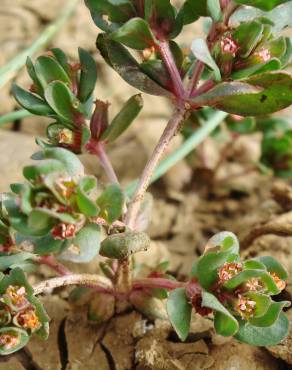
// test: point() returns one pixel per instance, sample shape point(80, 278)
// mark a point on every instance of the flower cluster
point(56, 207)
point(21, 314)
point(248, 49)
point(237, 293)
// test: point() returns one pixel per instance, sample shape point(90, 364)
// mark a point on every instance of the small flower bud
point(28, 319)
point(253, 285)
point(148, 53)
point(99, 119)
point(228, 271)
point(245, 307)
point(281, 284)
point(63, 231)
point(263, 54)
point(9, 340)
point(65, 186)
point(16, 296)
point(229, 46)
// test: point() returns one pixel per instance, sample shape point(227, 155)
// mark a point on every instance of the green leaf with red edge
point(123, 119)
point(88, 75)
point(135, 34)
point(161, 15)
point(257, 95)
point(179, 312)
point(263, 336)
point(31, 102)
point(225, 324)
point(119, 58)
point(262, 4)
point(63, 101)
point(47, 69)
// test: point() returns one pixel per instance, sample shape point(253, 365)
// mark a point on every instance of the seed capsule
point(122, 245)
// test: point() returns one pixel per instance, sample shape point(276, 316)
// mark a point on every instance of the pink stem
point(195, 78)
point(157, 283)
point(54, 265)
point(206, 86)
point(172, 69)
point(106, 163)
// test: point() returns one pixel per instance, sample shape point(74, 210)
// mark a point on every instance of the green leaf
point(256, 95)
point(61, 58)
point(31, 71)
point(148, 305)
point(135, 34)
point(272, 313)
point(47, 69)
point(214, 9)
point(119, 58)
point(22, 340)
point(161, 15)
point(245, 275)
point(262, 4)
point(224, 241)
point(201, 52)
point(109, 14)
point(47, 245)
point(193, 9)
point(14, 259)
point(71, 162)
point(33, 172)
point(222, 247)
point(88, 75)
point(62, 101)
point(263, 336)
point(85, 246)
point(111, 203)
point(39, 222)
point(45, 212)
point(85, 204)
point(179, 312)
point(31, 102)
point(123, 119)
point(225, 324)
point(247, 35)
point(120, 246)
point(273, 266)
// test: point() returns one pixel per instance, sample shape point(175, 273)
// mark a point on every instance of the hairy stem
point(51, 262)
point(167, 57)
point(97, 282)
point(170, 131)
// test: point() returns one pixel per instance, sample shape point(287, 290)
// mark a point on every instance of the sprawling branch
point(97, 282)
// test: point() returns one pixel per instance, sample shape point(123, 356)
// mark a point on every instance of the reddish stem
point(194, 80)
point(157, 283)
point(206, 86)
point(170, 64)
point(54, 265)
